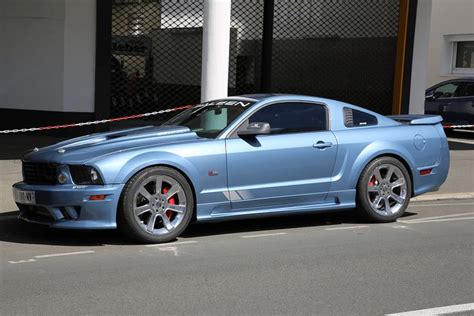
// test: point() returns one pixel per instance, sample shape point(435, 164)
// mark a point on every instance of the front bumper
point(69, 207)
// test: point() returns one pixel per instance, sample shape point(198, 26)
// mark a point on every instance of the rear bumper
point(69, 207)
point(438, 175)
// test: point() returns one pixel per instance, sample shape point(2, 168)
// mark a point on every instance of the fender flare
point(146, 160)
point(379, 149)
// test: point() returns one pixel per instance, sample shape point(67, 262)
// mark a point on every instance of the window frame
point(454, 69)
point(233, 132)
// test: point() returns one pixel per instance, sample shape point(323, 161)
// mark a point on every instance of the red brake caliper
point(372, 181)
point(171, 201)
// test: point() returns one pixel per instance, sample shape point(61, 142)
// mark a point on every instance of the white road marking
point(22, 261)
point(64, 254)
point(442, 218)
point(263, 235)
point(173, 244)
point(173, 249)
point(438, 220)
point(438, 310)
point(436, 217)
point(463, 130)
point(348, 227)
point(441, 204)
point(444, 196)
point(460, 140)
point(399, 226)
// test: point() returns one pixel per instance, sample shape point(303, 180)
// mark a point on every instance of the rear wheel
point(384, 189)
point(156, 206)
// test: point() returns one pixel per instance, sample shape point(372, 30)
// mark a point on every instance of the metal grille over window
point(156, 55)
point(245, 46)
point(344, 50)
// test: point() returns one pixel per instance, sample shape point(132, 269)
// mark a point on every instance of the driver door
point(438, 99)
point(290, 166)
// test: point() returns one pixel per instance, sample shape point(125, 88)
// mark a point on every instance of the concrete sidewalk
point(460, 182)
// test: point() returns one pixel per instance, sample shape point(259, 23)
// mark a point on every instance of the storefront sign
point(131, 45)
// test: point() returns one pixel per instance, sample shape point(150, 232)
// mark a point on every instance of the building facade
point(451, 44)
point(68, 60)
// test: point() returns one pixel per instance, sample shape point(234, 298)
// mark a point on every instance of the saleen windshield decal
point(243, 104)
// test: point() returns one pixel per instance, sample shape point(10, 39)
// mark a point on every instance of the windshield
point(210, 119)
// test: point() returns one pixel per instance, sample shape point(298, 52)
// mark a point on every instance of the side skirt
point(335, 201)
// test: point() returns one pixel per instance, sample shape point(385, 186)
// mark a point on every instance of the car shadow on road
point(15, 231)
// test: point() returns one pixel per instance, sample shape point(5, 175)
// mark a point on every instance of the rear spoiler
point(417, 119)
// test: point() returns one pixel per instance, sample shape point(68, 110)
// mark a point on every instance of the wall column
point(215, 49)
point(420, 57)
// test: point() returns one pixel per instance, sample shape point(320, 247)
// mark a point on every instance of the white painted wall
point(451, 20)
point(79, 55)
point(32, 40)
point(47, 55)
point(420, 62)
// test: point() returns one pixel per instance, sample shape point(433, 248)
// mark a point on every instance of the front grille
point(40, 173)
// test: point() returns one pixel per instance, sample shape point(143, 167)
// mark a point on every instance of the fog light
point(62, 178)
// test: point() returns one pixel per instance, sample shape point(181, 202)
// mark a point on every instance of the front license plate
point(24, 197)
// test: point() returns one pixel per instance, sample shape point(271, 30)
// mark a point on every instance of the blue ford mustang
point(239, 157)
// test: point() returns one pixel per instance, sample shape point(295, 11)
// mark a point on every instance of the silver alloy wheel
point(159, 205)
point(387, 189)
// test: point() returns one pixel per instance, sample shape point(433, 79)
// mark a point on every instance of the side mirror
point(254, 129)
point(429, 96)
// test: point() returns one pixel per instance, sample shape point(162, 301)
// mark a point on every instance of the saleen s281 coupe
point(238, 157)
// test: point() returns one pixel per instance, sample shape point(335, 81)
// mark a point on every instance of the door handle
point(322, 145)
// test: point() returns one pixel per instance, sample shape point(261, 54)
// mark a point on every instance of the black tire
point(128, 222)
point(363, 201)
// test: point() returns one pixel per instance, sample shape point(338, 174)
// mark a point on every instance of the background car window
point(446, 91)
point(292, 117)
point(467, 90)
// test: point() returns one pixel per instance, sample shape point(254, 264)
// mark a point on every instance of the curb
point(445, 196)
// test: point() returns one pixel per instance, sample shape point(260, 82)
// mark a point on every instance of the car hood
point(86, 148)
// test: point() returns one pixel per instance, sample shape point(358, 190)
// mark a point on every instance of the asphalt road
point(329, 264)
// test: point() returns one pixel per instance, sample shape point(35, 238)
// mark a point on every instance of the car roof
point(464, 79)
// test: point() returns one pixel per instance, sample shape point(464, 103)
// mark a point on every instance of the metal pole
point(267, 46)
point(215, 49)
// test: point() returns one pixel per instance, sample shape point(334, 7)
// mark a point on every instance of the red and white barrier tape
point(458, 126)
point(135, 116)
point(116, 119)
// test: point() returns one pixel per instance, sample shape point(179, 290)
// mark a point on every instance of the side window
point(354, 118)
point(467, 90)
point(292, 117)
point(446, 90)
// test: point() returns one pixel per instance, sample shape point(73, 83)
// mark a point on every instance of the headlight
point(85, 175)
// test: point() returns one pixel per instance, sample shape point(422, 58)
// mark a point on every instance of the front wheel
point(156, 206)
point(384, 190)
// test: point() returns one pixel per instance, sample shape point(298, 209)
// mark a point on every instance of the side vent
point(348, 117)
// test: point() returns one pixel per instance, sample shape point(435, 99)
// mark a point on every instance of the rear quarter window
point(355, 118)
